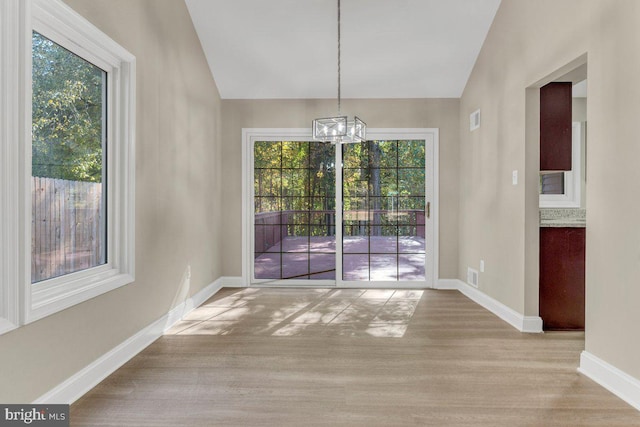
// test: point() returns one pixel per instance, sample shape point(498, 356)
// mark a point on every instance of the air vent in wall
point(472, 277)
point(474, 120)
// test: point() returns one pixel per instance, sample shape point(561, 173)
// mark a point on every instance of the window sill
point(54, 295)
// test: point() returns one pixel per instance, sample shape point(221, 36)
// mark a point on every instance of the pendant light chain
point(339, 57)
point(339, 129)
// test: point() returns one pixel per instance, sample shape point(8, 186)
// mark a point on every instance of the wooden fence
point(67, 227)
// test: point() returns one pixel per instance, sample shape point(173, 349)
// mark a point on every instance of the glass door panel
point(383, 200)
point(294, 215)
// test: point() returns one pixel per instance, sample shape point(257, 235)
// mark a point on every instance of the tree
point(68, 110)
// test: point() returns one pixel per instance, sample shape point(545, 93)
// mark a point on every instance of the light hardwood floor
point(304, 357)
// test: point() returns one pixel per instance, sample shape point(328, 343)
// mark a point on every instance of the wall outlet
point(514, 177)
point(481, 266)
point(472, 277)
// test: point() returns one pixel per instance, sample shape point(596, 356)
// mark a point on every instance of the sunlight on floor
point(383, 313)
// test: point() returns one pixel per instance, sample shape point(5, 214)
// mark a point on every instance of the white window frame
point(12, 71)
point(572, 178)
point(22, 302)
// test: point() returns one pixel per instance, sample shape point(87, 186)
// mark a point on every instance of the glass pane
point(383, 154)
point(384, 227)
point(322, 243)
point(295, 182)
point(296, 204)
point(411, 267)
point(295, 154)
point(68, 166)
point(324, 218)
point(411, 245)
point(354, 183)
point(383, 240)
point(552, 183)
point(267, 182)
point(354, 156)
point(266, 204)
point(296, 221)
point(295, 266)
point(267, 266)
point(384, 267)
point(383, 182)
point(411, 154)
point(411, 182)
point(355, 267)
point(355, 239)
point(267, 154)
point(268, 238)
point(322, 266)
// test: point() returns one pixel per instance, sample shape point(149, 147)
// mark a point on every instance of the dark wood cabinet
point(555, 126)
point(562, 278)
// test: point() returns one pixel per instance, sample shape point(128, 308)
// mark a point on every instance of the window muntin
point(294, 210)
point(69, 106)
point(383, 199)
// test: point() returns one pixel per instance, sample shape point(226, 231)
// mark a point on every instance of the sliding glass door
point(294, 210)
point(364, 222)
point(383, 211)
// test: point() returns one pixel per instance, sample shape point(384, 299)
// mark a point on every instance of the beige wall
point(387, 113)
point(177, 200)
point(528, 42)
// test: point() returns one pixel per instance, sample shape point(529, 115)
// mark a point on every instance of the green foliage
point(68, 104)
point(383, 184)
point(291, 175)
point(384, 175)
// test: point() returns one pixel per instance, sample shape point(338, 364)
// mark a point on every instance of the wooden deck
point(385, 258)
point(330, 357)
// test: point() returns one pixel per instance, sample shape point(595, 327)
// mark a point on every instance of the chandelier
point(339, 129)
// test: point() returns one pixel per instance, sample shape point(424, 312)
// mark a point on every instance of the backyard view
point(294, 210)
point(383, 185)
point(68, 205)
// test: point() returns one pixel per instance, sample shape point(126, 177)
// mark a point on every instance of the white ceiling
point(261, 49)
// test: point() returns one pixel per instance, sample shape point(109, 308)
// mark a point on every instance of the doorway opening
point(556, 198)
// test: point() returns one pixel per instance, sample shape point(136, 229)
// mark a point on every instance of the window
point(563, 189)
point(68, 116)
point(69, 121)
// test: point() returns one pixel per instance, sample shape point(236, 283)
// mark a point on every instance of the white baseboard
point(233, 282)
point(530, 324)
point(613, 379)
point(448, 284)
point(84, 380)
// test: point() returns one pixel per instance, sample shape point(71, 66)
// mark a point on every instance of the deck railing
point(272, 227)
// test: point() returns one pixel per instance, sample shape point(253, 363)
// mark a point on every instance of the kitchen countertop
point(563, 217)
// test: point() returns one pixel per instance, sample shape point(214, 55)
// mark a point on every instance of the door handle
point(428, 210)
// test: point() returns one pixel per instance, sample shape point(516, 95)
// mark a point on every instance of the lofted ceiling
point(265, 49)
